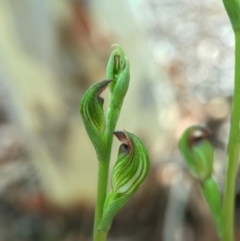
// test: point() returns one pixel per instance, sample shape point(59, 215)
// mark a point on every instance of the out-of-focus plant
point(132, 163)
point(198, 152)
point(233, 11)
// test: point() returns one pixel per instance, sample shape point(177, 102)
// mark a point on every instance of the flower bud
point(197, 151)
point(130, 170)
point(115, 66)
point(91, 110)
point(118, 71)
point(121, 86)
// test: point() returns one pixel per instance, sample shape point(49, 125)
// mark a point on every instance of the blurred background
point(182, 58)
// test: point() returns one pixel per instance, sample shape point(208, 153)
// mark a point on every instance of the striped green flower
point(91, 110)
point(132, 164)
point(130, 170)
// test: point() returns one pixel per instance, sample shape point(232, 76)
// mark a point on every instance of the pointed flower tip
point(117, 46)
point(92, 98)
point(122, 136)
point(100, 87)
point(96, 89)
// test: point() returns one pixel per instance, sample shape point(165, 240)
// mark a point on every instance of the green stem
point(101, 195)
point(103, 169)
point(233, 152)
point(212, 196)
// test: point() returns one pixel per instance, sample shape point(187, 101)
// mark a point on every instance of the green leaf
point(129, 172)
point(197, 151)
point(91, 110)
point(233, 10)
point(114, 202)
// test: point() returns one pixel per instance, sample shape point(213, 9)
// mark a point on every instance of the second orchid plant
point(198, 151)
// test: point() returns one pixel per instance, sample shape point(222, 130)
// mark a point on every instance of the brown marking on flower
point(124, 138)
point(198, 134)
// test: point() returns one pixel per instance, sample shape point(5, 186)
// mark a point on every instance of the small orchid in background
point(198, 153)
point(132, 163)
